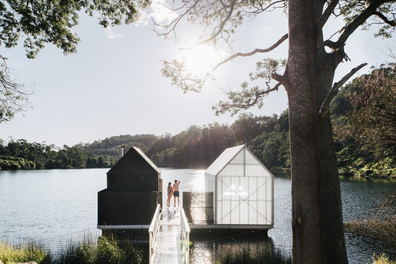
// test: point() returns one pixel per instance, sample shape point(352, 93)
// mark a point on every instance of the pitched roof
point(134, 161)
point(229, 156)
point(222, 160)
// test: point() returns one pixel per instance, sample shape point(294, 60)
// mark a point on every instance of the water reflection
point(235, 250)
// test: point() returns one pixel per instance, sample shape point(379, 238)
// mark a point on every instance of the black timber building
point(132, 194)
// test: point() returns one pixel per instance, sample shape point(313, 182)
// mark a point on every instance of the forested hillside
point(198, 147)
point(364, 124)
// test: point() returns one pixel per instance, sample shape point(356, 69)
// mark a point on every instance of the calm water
point(59, 206)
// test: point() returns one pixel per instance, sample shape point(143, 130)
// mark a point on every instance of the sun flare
point(201, 59)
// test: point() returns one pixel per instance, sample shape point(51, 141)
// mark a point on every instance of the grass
point(104, 251)
point(25, 253)
point(380, 225)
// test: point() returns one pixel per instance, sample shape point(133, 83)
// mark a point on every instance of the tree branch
point(385, 19)
point(239, 54)
point(259, 94)
point(324, 109)
point(358, 21)
point(327, 13)
point(13, 96)
point(243, 100)
point(174, 22)
point(272, 6)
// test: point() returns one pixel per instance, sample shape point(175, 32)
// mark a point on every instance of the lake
point(56, 207)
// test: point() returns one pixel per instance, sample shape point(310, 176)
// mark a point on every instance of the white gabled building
point(243, 190)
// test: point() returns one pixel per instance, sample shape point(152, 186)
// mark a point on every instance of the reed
point(105, 251)
point(24, 253)
point(380, 225)
point(88, 251)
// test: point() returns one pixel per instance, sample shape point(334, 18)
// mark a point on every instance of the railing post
point(185, 235)
point(153, 231)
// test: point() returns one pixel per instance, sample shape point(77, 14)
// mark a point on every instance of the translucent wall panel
point(239, 158)
point(244, 200)
point(250, 159)
point(244, 213)
point(209, 183)
point(255, 170)
point(233, 170)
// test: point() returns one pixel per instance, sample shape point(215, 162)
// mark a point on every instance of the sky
point(114, 86)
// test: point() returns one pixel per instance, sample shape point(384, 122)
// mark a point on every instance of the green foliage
point(83, 252)
point(199, 146)
point(25, 253)
point(196, 147)
point(40, 22)
point(20, 154)
point(246, 97)
point(13, 96)
point(185, 79)
point(104, 251)
point(15, 163)
point(363, 115)
point(112, 146)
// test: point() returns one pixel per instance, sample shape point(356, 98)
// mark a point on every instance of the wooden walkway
point(168, 244)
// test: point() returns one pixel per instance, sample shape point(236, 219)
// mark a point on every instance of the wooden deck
point(168, 245)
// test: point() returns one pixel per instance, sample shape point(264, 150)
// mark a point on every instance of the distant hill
point(112, 146)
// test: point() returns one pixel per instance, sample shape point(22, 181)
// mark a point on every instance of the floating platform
point(198, 208)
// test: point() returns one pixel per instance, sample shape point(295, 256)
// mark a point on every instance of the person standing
point(176, 193)
point(169, 192)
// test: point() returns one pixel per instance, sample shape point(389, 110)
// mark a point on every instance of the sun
point(201, 59)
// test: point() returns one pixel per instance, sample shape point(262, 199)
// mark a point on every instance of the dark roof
point(134, 162)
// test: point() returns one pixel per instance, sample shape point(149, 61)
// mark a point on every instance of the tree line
point(20, 154)
point(363, 118)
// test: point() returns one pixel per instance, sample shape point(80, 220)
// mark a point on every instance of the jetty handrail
point(153, 232)
point(184, 237)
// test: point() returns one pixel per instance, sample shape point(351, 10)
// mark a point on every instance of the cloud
point(157, 12)
point(160, 13)
point(143, 20)
point(110, 34)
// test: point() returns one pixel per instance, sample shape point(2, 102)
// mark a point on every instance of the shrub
point(105, 251)
point(25, 253)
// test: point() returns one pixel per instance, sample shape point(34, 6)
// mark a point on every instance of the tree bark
point(317, 222)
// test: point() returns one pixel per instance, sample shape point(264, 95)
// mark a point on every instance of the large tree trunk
point(316, 200)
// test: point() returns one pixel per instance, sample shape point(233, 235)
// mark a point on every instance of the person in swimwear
point(176, 193)
point(169, 192)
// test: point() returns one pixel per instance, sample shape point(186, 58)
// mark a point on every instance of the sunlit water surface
point(56, 207)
